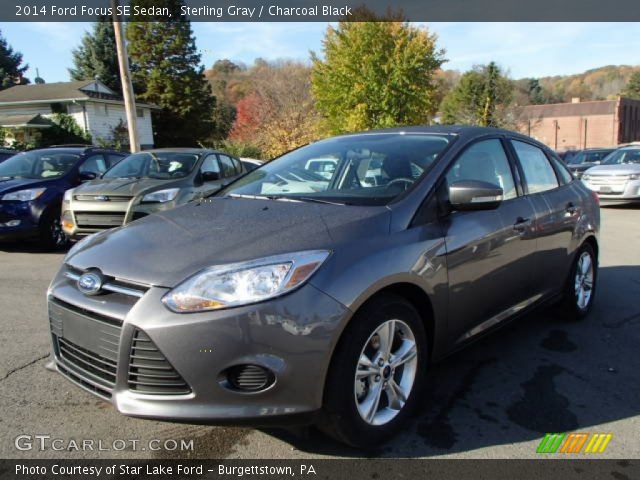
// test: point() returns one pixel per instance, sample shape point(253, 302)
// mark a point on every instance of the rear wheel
point(581, 286)
point(377, 373)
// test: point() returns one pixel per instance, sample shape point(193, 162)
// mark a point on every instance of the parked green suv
point(144, 183)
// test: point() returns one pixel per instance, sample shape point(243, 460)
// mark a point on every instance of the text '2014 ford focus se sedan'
point(329, 302)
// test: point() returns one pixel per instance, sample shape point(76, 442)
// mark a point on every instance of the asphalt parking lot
point(495, 399)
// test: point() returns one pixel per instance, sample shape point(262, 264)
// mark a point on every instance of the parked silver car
point(617, 178)
point(326, 304)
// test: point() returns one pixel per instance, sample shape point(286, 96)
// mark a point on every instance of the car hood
point(124, 186)
point(11, 185)
point(623, 169)
point(165, 248)
point(581, 167)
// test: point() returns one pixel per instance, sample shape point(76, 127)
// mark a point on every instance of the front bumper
point(85, 218)
point(18, 220)
point(613, 190)
point(293, 336)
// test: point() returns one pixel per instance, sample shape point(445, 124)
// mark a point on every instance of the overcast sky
point(524, 49)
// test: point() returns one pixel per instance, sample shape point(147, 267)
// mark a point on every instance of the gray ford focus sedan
point(292, 297)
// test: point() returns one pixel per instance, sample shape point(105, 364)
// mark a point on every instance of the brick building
point(577, 125)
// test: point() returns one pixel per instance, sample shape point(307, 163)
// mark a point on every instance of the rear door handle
point(521, 224)
point(571, 208)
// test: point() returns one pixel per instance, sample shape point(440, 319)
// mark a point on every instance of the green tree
point(166, 71)
point(97, 56)
point(11, 68)
point(376, 74)
point(482, 97)
point(632, 90)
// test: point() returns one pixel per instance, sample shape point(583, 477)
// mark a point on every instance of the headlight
point(68, 195)
point(586, 177)
point(161, 196)
point(634, 176)
point(244, 283)
point(24, 195)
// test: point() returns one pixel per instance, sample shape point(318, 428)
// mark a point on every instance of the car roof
point(465, 131)
point(197, 151)
point(76, 149)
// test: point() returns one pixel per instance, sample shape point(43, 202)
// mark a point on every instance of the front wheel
point(52, 237)
point(377, 373)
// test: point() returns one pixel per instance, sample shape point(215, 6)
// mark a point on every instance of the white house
point(96, 108)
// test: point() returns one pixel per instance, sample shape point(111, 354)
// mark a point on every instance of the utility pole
point(125, 77)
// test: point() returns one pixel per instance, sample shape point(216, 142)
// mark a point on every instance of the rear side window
point(538, 173)
point(485, 161)
point(565, 175)
point(228, 168)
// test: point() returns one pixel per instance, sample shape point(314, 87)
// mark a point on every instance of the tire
point(51, 235)
point(581, 286)
point(347, 401)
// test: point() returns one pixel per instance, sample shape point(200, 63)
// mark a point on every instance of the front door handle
point(521, 224)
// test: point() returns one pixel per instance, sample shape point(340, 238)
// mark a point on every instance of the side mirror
point(86, 176)
point(210, 176)
point(474, 195)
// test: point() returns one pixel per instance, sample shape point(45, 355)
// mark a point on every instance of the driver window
point(228, 168)
point(94, 164)
point(485, 161)
point(210, 164)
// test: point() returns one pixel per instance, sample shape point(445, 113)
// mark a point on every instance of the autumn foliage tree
point(376, 74)
point(279, 114)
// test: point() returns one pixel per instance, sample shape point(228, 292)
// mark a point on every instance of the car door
point(558, 209)
point(490, 253)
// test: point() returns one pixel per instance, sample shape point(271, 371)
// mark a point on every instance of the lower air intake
point(249, 378)
point(150, 372)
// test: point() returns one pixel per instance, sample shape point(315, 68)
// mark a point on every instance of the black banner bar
point(328, 10)
point(361, 469)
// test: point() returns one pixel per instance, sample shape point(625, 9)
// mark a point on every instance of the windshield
point(161, 165)
point(367, 169)
point(623, 155)
point(39, 164)
point(589, 157)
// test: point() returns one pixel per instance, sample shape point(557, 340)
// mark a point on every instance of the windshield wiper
point(263, 197)
point(319, 200)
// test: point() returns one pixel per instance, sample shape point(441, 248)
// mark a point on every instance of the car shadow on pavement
point(29, 246)
point(539, 374)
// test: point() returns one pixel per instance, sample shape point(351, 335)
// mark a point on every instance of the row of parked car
point(67, 192)
point(613, 173)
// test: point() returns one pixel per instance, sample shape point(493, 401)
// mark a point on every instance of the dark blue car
point(32, 185)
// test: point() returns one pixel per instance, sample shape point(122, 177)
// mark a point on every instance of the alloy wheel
point(584, 280)
point(386, 372)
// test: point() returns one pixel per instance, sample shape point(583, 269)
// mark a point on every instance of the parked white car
point(617, 178)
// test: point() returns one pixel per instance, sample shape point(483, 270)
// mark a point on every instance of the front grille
point(150, 372)
point(611, 180)
point(95, 366)
point(102, 198)
point(99, 219)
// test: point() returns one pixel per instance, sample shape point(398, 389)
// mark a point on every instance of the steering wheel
point(407, 181)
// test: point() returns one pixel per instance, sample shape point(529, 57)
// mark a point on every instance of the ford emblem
point(90, 283)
